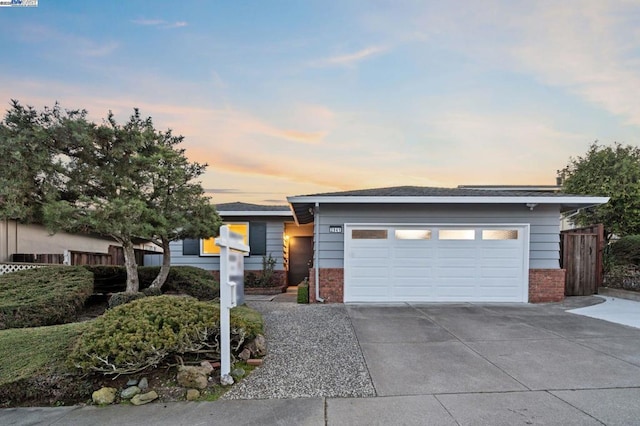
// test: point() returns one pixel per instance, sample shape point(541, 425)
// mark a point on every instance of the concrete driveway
point(494, 364)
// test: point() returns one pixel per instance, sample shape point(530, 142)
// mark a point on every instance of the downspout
point(316, 254)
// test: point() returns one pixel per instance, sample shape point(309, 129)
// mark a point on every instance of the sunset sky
point(287, 98)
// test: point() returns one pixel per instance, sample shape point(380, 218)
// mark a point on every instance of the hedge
point(43, 296)
point(189, 280)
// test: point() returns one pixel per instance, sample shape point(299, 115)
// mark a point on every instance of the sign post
point(232, 250)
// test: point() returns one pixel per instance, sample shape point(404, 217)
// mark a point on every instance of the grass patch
point(43, 296)
point(28, 352)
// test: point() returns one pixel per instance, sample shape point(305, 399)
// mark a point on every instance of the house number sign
point(335, 229)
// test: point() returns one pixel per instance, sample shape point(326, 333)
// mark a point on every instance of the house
point(268, 230)
point(20, 242)
point(420, 244)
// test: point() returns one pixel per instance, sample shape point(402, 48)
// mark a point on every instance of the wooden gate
point(581, 250)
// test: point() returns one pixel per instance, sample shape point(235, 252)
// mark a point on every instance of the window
point(258, 238)
point(413, 234)
point(457, 234)
point(190, 247)
point(499, 234)
point(369, 234)
point(208, 247)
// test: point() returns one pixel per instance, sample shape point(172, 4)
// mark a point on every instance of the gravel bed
point(312, 352)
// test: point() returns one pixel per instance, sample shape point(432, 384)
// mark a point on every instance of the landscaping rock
point(238, 373)
point(104, 396)
point(144, 384)
point(194, 377)
point(193, 394)
point(245, 354)
point(258, 346)
point(144, 398)
point(214, 364)
point(254, 362)
point(130, 392)
point(132, 382)
point(226, 380)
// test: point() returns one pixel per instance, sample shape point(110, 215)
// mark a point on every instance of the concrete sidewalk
point(617, 310)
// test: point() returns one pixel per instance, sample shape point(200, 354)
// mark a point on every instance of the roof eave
point(263, 213)
point(586, 200)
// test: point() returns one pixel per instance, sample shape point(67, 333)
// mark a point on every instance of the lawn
point(28, 352)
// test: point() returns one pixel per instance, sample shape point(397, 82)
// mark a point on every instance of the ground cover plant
point(159, 330)
point(43, 296)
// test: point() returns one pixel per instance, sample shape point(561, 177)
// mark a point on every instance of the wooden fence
point(115, 256)
point(582, 250)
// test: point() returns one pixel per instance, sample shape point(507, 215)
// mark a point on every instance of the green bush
point(625, 251)
point(303, 292)
point(43, 296)
point(118, 299)
point(189, 280)
point(152, 330)
point(108, 279)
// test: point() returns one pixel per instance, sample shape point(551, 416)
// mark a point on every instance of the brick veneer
point(280, 276)
point(546, 285)
point(332, 285)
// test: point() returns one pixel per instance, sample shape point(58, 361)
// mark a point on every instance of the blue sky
point(288, 98)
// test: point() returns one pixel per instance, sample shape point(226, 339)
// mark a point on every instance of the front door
point(300, 258)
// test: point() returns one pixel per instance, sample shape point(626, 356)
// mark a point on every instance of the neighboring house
point(268, 230)
point(419, 244)
point(19, 242)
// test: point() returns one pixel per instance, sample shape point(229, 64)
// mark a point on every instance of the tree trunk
point(133, 285)
point(166, 264)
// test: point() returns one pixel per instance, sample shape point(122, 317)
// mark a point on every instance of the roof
point(537, 188)
point(247, 209)
point(303, 205)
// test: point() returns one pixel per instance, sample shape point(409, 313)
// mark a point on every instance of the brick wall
point(546, 285)
point(331, 285)
point(281, 276)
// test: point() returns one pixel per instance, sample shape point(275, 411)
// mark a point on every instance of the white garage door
point(429, 263)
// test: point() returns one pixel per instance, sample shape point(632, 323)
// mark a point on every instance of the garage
point(424, 244)
point(436, 263)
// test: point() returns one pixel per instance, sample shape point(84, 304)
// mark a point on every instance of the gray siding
point(275, 232)
point(544, 221)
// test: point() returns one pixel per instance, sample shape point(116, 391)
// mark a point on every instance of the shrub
point(189, 280)
point(108, 279)
point(626, 251)
point(303, 292)
point(121, 298)
point(150, 331)
point(43, 296)
point(266, 278)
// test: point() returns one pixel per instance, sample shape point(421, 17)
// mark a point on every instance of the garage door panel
point(370, 252)
point(413, 253)
point(430, 270)
point(457, 253)
point(411, 272)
